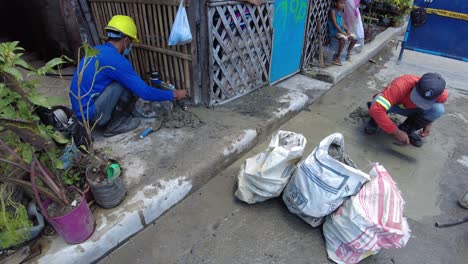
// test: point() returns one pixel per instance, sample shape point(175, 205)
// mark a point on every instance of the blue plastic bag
point(180, 33)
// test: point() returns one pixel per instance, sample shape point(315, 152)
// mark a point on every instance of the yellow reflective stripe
point(401, 106)
point(383, 102)
point(446, 13)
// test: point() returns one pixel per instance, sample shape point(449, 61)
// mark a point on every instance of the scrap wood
point(17, 257)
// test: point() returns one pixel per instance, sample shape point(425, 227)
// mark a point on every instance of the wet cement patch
point(248, 106)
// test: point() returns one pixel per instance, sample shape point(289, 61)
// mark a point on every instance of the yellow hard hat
point(124, 24)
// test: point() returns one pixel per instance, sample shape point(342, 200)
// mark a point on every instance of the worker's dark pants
point(106, 102)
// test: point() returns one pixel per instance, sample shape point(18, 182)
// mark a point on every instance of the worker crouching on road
point(419, 99)
point(109, 102)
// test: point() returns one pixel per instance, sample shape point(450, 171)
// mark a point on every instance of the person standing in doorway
point(109, 93)
point(339, 31)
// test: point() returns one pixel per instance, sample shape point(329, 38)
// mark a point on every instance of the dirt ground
point(212, 226)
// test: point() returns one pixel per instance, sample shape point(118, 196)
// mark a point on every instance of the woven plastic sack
point(265, 175)
point(321, 183)
point(180, 33)
point(367, 222)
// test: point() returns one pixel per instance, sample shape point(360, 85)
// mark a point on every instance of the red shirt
point(397, 93)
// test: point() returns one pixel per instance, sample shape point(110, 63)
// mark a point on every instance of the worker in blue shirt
point(107, 95)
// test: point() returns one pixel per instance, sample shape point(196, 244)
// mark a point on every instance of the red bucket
point(76, 226)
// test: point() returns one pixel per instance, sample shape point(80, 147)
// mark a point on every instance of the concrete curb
point(334, 74)
point(148, 203)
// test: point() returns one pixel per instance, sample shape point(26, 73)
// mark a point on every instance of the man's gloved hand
point(180, 95)
point(401, 136)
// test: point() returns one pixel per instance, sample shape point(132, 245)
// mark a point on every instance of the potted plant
point(403, 7)
point(65, 209)
point(103, 174)
point(379, 4)
point(385, 20)
point(29, 155)
point(397, 21)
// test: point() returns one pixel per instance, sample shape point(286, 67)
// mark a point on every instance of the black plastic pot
point(107, 193)
point(386, 22)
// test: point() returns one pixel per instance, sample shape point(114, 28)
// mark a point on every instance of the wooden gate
point(154, 20)
point(240, 40)
point(318, 12)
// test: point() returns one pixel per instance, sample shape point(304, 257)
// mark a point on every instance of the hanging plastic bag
point(323, 181)
point(180, 33)
point(367, 222)
point(265, 175)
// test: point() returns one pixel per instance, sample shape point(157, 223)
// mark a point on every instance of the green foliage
point(25, 135)
point(89, 55)
point(14, 220)
point(71, 177)
point(19, 98)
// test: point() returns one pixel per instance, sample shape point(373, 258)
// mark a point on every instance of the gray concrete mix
point(212, 226)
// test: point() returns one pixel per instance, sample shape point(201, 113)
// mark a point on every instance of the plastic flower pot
point(108, 192)
point(379, 5)
point(87, 193)
point(396, 22)
point(386, 21)
point(70, 153)
point(76, 226)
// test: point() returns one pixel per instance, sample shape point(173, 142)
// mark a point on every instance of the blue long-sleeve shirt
point(121, 72)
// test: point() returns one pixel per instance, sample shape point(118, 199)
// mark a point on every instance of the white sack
point(367, 222)
point(265, 175)
point(321, 183)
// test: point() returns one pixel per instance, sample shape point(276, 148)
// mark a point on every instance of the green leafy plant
point(71, 177)
point(28, 147)
point(90, 54)
point(19, 98)
point(14, 220)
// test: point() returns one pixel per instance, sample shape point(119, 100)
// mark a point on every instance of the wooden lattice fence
point(154, 20)
point(318, 12)
point(240, 43)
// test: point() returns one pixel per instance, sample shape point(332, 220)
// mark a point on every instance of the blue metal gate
point(445, 32)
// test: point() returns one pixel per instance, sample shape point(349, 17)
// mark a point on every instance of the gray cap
point(426, 91)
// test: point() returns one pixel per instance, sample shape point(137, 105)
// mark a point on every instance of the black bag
point(69, 125)
point(418, 17)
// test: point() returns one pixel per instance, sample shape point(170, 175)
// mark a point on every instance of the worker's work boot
point(371, 126)
point(120, 125)
point(411, 126)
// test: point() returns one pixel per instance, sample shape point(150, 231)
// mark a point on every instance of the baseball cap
point(426, 91)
